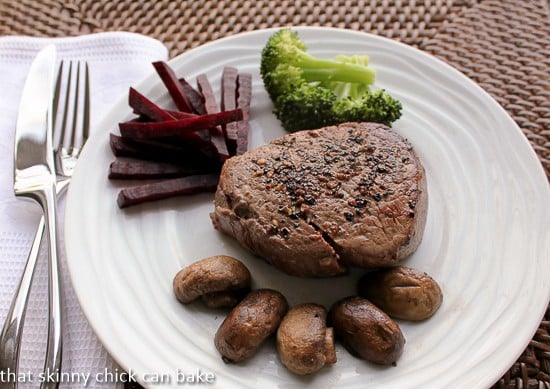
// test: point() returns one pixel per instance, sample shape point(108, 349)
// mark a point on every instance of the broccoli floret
point(310, 92)
point(377, 106)
point(282, 80)
point(284, 47)
point(306, 107)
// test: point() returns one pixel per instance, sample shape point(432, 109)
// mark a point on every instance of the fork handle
point(54, 349)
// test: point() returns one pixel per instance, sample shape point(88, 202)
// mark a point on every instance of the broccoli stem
point(344, 74)
point(331, 70)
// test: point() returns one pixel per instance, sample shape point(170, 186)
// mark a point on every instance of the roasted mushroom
point(402, 292)
point(220, 281)
point(249, 324)
point(365, 331)
point(304, 342)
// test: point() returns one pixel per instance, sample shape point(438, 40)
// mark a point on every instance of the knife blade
point(33, 157)
point(35, 178)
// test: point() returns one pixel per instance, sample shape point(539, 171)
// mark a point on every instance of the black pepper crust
point(314, 202)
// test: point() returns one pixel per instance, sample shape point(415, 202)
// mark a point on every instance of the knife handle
point(10, 339)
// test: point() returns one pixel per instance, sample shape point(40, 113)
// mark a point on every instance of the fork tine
point(81, 110)
point(56, 96)
point(74, 113)
point(61, 129)
point(55, 107)
point(86, 110)
point(76, 109)
point(71, 107)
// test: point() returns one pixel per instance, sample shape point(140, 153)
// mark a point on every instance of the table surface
point(503, 45)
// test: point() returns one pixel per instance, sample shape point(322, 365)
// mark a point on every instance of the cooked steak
point(314, 202)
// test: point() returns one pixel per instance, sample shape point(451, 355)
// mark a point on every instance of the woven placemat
point(504, 45)
point(185, 24)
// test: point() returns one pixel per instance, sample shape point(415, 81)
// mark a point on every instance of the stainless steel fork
point(71, 119)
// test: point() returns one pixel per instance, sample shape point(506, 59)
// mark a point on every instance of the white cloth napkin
point(116, 60)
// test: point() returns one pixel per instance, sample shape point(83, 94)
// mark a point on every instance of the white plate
point(486, 240)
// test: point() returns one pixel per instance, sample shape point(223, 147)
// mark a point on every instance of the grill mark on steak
point(314, 202)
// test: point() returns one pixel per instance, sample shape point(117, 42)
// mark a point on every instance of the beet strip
point(172, 152)
point(205, 88)
point(143, 106)
point(173, 86)
point(244, 96)
point(197, 104)
point(204, 134)
point(180, 114)
point(193, 96)
point(217, 136)
point(166, 189)
point(229, 102)
point(144, 170)
point(193, 138)
point(181, 127)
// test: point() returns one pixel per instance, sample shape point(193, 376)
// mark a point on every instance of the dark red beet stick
point(158, 151)
point(143, 170)
point(143, 106)
point(216, 133)
point(173, 86)
point(180, 127)
point(229, 102)
point(193, 96)
point(244, 96)
point(166, 189)
point(180, 114)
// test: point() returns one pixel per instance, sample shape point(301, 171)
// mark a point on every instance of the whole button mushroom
point(220, 281)
point(304, 342)
point(249, 324)
point(365, 331)
point(402, 292)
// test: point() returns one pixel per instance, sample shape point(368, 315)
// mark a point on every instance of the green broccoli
point(310, 92)
point(306, 107)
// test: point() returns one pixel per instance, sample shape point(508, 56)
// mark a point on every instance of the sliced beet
point(180, 114)
point(150, 150)
point(144, 107)
point(217, 136)
point(185, 148)
point(193, 96)
point(182, 127)
point(244, 96)
point(229, 102)
point(197, 103)
point(144, 170)
point(172, 83)
point(202, 137)
point(166, 189)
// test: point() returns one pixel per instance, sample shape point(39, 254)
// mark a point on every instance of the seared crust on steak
point(314, 202)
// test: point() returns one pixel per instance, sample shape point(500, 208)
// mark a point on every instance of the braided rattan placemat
point(504, 45)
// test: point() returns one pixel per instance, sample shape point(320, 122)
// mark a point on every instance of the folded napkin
point(116, 60)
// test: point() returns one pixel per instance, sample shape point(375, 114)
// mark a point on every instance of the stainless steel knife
point(35, 178)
